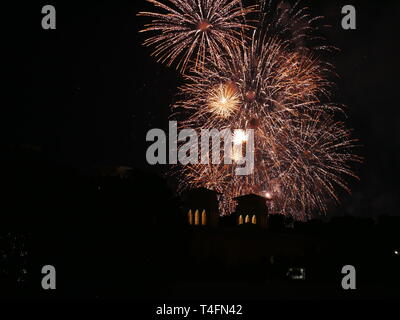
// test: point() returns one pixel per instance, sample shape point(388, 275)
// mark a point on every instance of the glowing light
point(236, 155)
point(268, 195)
point(223, 100)
point(240, 137)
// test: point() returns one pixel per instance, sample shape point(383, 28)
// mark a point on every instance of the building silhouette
point(251, 209)
point(201, 207)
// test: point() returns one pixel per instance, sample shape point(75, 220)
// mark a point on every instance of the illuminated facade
point(201, 207)
point(251, 210)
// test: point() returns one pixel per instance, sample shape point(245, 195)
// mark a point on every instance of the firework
point(264, 81)
point(195, 29)
point(292, 24)
point(223, 100)
point(301, 152)
point(299, 168)
point(273, 81)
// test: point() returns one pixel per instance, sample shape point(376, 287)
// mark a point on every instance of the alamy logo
point(195, 150)
point(49, 20)
point(49, 280)
point(349, 280)
point(349, 20)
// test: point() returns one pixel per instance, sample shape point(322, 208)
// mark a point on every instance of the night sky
point(88, 92)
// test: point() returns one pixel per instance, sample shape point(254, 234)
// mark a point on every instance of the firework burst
point(273, 81)
point(223, 100)
point(301, 152)
point(293, 24)
point(299, 167)
point(195, 29)
point(265, 81)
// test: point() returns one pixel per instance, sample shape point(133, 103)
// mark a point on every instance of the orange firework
point(273, 81)
point(301, 152)
point(195, 29)
point(262, 81)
